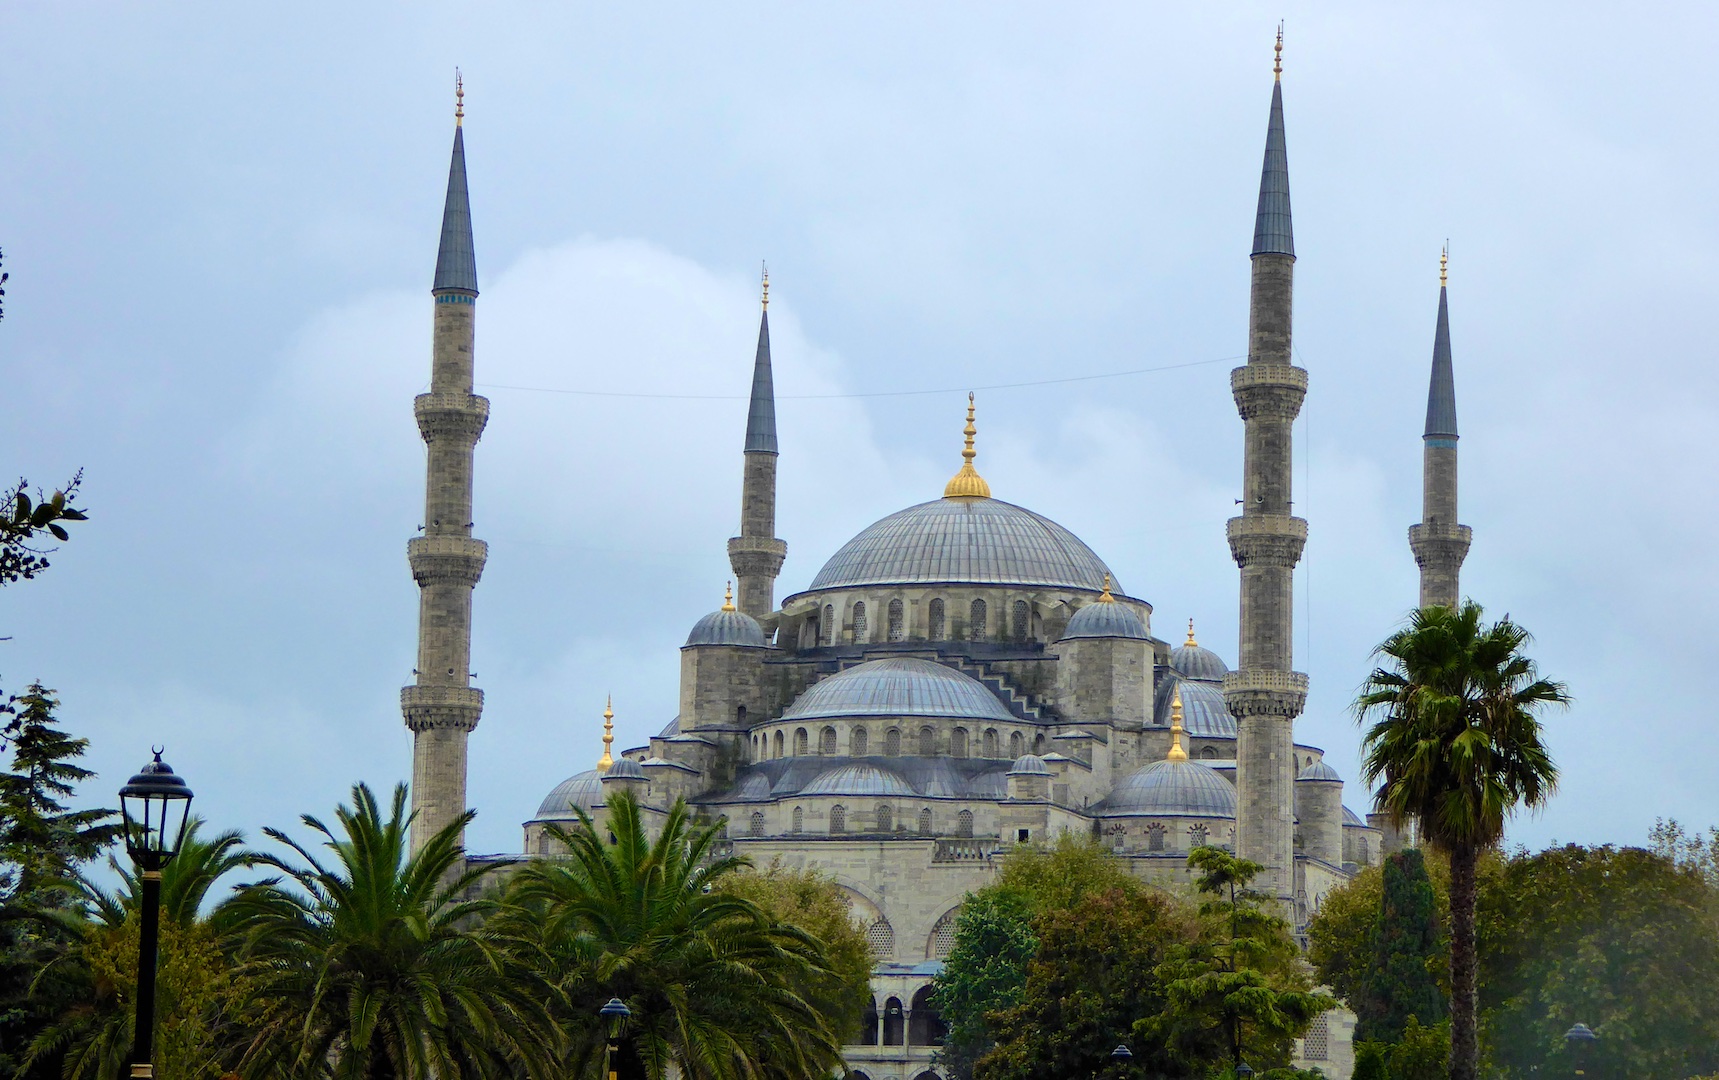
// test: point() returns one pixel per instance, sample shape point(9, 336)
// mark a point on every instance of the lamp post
point(614, 1015)
point(1243, 1072)
point(1121, 1056)
point(1578, 1039)
point(156, 806)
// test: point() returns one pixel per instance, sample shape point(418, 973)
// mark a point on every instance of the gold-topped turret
point(968, 484)
point(607, 761)
point(459, 99)
point(1176, 752)
point(1191, 643)
point(728, 597)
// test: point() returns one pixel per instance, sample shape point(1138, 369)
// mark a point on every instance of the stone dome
point(859, 780)
point(625, 769)
point(584, 790)
point(899, 686)
point(1194, 661)
point(1204, 714)
point(1352, 820)
point(964, 541)
point(1173, 788)
point(728, 627)
point(1029, 765)
point(1320, 771)
point(1106, 619)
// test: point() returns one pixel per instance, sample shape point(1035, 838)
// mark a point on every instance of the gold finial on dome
point(1105, 597)
point(607, 761)
point(1277, 61)
point(968, 484)
point(459, 99)
point(728, 597)
point(1190, 643)
point(766, 286)
point(1176, 752)
point(1443, 264)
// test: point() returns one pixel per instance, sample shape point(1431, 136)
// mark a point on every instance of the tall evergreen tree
point(1407, 951)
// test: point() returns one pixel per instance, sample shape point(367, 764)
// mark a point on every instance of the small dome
point(624, 769)
point(728, 627)
point(1175, 788)
point(859, 780)
point(1320, 771)
point(1029, 765)
point(1106, 618)
point(584, 790)
point(1204, 714)
point(900, 686)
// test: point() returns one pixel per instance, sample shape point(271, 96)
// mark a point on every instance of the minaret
point(1264, 693)
point(442, 706)
point(1439, 543)
point(756, 554)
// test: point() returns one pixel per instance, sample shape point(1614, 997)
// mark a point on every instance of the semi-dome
point(584, 790)
point(1173, 788)
point(728, 626)
point(859, 780)
point(964, 541)
point(1029, 765)
point(1192, 660)
point(1204, 713)
point(1353, 820)
point(899, 686)
point(625, 769)
point(1320, 771)
point(1106, 619)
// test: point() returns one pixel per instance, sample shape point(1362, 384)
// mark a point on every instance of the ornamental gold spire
point(1176, 752)
point(607, 761)
point(968, 484)
point(766, 286)
point(1443, 265)
point(728, 597)
point(1105, 597)
point(1277, 58)
point(459, 99)
point(1190, 643)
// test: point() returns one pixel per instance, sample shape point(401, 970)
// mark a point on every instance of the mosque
point(962, 676)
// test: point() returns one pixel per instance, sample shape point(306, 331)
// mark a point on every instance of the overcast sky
point(221, 225)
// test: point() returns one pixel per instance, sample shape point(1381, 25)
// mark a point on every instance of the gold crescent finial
point(1443, 264)
point(1190, 643)
point(1105, 597)
point(968, 484)
point(766, 286)
point(728, 597)
point(607, 761)
point(1277, 61)
point(1176, 752)
point(459, 99)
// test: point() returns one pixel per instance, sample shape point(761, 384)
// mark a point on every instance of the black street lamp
point(1578, 1039)
point(1121, 1056)
point(1243, 1072)
point(156, 807)
point(614, 1014)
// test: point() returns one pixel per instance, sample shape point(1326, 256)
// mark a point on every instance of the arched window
point(892, 742)
point(740, 714)
point(958, 743)
point(885, 818)
point(880, 936)
point(927, 742)
point(1154, 837)
point(1196, 836)
point(942, 937)
point(757, 823)
point(1018, 625)
point(925, 821)
point(935, 633)
point(778, 752)
point(856, 742)
point(976, 621)
point(894, 1022)
point(1209, 753)
point(1039, 743)
point(802, 743)
point(897, 621)
point(859, 621)
point(838, 819)
point(829, 624)
point(827, 742)
point(543, 843)
point(1017, 744)
point(964, 823)
point(989, 743)
point(799, 819)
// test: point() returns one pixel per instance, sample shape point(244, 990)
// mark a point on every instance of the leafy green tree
point(374, 965)
point(22, 522)
point(1455, 746)
point(1237, 992)
point(717, 987)
point(1408, 954)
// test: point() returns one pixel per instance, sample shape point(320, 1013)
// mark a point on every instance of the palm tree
point(375, 965)
point(1455, 740)
point(715, 987)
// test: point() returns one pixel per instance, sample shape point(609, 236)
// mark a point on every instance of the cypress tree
point(1407, 947)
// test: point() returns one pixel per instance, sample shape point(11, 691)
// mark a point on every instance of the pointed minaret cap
point(456, 265)
point(607, 761)
point(1441, 391)
point(1272, 231)
point(761, 413)
point(1176, 752)
point(967, 483)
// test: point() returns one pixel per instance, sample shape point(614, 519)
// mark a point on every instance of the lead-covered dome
point(859, 779)
point(964, 541)
point(1106, 619)
point(727, 627)
point(1173, 788)
point(1194, 661)
point(584, 790)
point(900, 686)
point(1204, 713)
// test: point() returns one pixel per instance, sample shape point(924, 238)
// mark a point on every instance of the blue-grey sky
point(221, 224)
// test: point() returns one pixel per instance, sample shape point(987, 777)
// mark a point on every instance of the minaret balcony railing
point(443, 416)
point(1267, 539)
point(446, 559)
point(1438, 532)
point(1261, 692)
point(441, 706)
point(1268, 391)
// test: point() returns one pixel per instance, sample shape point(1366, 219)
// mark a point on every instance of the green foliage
point(1058, 876)
point(1619, 939)
point(985, 972)
point(1691, 850)
point(23, 520)
point(1372, 1062)
point(1408, 954)
point(374, 965)
point(717, 987)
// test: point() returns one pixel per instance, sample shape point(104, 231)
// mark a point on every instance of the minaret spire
point(1265, 693)
point(1439, 543)
point(441, 707)
point(756, 554)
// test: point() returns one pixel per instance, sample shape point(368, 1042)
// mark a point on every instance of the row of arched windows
point(883, 820)
point(990, 743)
point(1157, 836)
point(1020, 627)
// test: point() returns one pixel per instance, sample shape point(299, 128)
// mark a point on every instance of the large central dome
point(965, 540)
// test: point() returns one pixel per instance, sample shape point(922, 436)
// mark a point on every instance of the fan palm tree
point(375, 965)
point(1455, 743)
point(715, 987)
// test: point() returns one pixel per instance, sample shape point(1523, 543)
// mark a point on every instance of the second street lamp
point(614, 1014)
point(156, 806)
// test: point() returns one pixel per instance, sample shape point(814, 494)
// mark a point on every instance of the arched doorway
point(928, 1028)
point(893, 1023)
